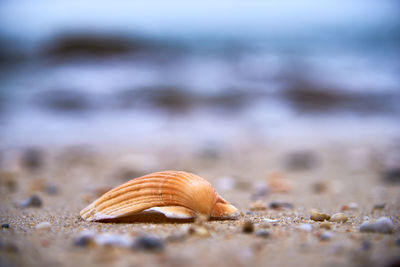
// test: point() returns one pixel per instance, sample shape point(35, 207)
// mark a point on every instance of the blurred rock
point(392, 175)
point(353, 206)
point(32, 159)
point(380, 206)
point(263, 233)
point(260, 192)
point(301, 160)
point(325, 225)
point(52, 189)
point(64, 100)
point(148, 243)
point(306, 95)
point(320, 187)
point(32, 201)
point(258, 205)
point(278, 184)
point(306, 227)
point(169, 98)
point(110, 239)
point(326, 235)
point(248, 227)
point(85, 238)
point(8, 179)
point(280, 205)
point(8, 247)
point(383, 225)
point(92, 44)
point(199, 230)
point(366, 245)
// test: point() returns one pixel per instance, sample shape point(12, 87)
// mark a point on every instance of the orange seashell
point(176, 194)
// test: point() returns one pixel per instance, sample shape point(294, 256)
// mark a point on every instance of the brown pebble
point(345, 207)
point(325, 225)
point(258, 205)
point(199, 231)
point(318, 216)
point(379, 206)
point(320, 187)
point(8, 180)
point(278, 184)
point(339, 217)
point(248, 227)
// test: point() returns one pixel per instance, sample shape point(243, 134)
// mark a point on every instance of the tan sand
point(345, 172)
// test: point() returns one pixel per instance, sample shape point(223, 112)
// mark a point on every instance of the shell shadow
point(155, 218)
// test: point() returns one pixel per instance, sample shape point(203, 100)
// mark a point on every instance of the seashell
point(176, 194)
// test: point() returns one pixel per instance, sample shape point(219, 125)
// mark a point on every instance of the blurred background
point(157, 72)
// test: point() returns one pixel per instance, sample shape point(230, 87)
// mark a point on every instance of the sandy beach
point(330, 177)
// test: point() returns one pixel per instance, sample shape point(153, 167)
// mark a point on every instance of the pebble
point(306, 227)
point(199, 230)
point(326, 235)
point(366, 245)
point(32, 158)
point(353, 206)
point(109, 239)
point(85, 238)
point(263, 233)
point(266, 220)
point(345, 207)
point(383, 225)
point(148, 243)
point(280, 205)
point(325, 225)
point(339, 217)
point(248, 227)
point(318, 216)
point(258, 205)
point(301, 160)
point(320, 187)
point(43, 226)
point(380, 206)
point(260, 192)
point(8, 180)
point(176, 238)
point(8, 247)
point(32, 201)
point(51, 189)
point(278, 184)
point(392, 175)
point(5, 226)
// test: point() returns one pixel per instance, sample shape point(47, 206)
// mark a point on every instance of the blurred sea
point(156, 72)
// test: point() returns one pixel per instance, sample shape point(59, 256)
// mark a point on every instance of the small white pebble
point(383, 225)
point(339, 217)
point(267, 220)
point(326, 235)
point(353, 206)
point(108, 239)
point(43, 226)
point(306, 227)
